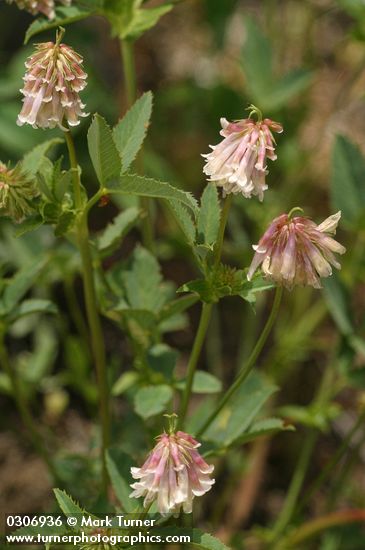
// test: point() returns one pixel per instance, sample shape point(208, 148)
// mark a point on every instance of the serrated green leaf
point(143, 282)
point(103, 152)
point(64, 16)
point(129, 21)
point(152, 400)
point(203, 382)
point(120, 479)
point(32, 161)
point(131, 130)
point(347, 180)
point(185, 221)
point(114, 233)
point(238, 414)
point(29, 307)
point(69, 507)
point(146, 19)
point(131, 184)
point(209, 216)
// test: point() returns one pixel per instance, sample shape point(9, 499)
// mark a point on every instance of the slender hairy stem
point(129, 69)
point(250, 363)
point(222, 227)
point(204, 320)
point(96, 333)
point(32, 432)
point(194, 358)
point(127, 50)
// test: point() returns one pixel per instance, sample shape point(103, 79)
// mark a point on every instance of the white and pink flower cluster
point(173, 474)
point(51, 89)
point(296, 251)
point(238, 163)
point(44, 7)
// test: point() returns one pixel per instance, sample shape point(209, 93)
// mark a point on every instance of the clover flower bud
point(296, 251)
point(238, 162)
point(35, 7)
point(173, 474)
point(17, 191)
point(52, 84)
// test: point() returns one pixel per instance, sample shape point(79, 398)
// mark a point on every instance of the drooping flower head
point(17, 191)
point(238, 162)
point(296, 251)
point(173, 474)
point(35, 7)
point(52, 84)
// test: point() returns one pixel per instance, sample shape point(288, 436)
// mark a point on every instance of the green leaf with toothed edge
point(64, 16)
point(131, 184)
point(209, 216)
point(69, 507)
point(103, 151)
point(185, 221)
point(131, 130)
point(32, 161)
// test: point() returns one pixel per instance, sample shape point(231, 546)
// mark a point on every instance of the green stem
point(250, 363)
point(96, 333)
point(204, 320)
point(32, 432)
point(127, 51)
point(222, 227)
point(194, 358)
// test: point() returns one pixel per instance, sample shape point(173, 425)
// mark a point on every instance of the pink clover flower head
point(36, 7)
point(295, 251)
point(173, 474)
point(238, 162)
point(51, 89)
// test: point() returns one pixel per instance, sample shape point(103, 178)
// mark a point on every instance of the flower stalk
point(96, 333)
point(205, 316)
point(250, 361)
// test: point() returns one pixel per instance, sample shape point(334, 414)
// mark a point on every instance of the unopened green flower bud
point(17, 191)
